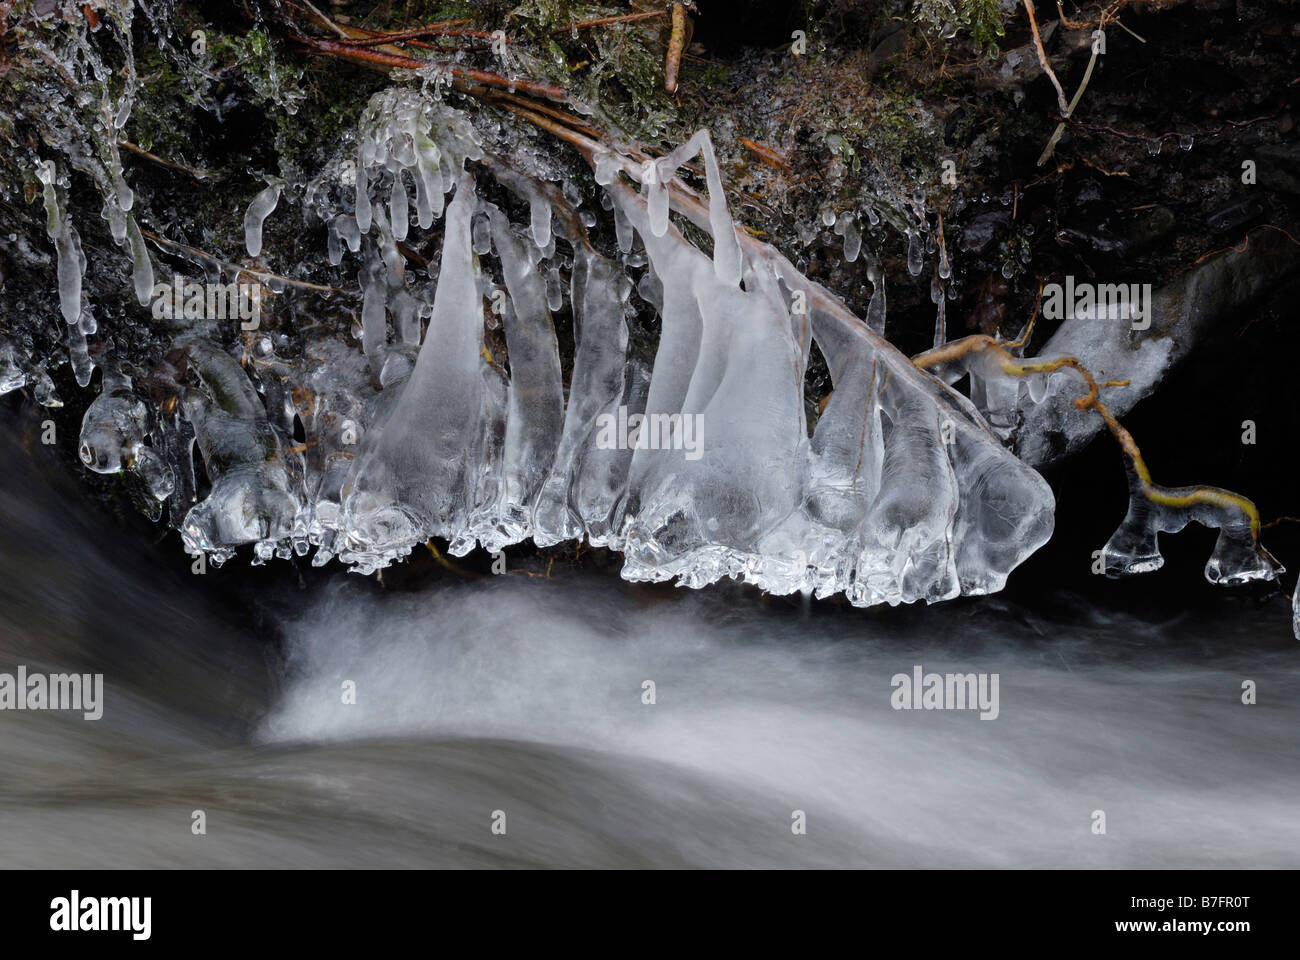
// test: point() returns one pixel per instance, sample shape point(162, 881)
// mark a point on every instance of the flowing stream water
point(524, 696)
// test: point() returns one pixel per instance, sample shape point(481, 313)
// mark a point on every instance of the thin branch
point(322, 19)
point(768, 155)
point(602, 21)
point(196, 253)
point(434, 29)
point(676, 41)
point(366, 56)
point(162, 161)
point(1060, 127)
point(1164, 496)
point(1042, 58)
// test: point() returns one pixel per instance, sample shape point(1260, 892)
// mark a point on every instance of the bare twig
point(1042, 59)
point(162, 161)
point(367, 56)
point(434, 29)
point(196, 253)
point(676, 40)
point(322, 19)
point(768, 155)
point(602, 21)
point(1060, 127)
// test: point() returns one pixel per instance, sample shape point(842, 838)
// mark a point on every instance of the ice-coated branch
point(1238, 555)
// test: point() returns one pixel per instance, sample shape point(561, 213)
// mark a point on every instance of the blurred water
point(522, 695)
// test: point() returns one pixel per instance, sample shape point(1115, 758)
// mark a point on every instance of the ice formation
point(697, 466)
point(256, 491)
point(900, 494)
point(12, 375)
point(1295, 611)
point(685, 444)
point(262, 207)
point(67, 246)
point(1000, 383)
point(1238, 556)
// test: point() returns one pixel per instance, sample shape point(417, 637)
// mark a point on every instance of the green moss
point(980, 20)
point(619, 67)
point(162, 121)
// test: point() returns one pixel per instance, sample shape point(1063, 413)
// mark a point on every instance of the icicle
point(154, 471)
point(427, 162)
point(406, 317)
point(726, 248)
point(67, 246)
point(587, 480)
point(79, 355)
point(12, 376)
point(43, 388)
point(876, 309)
point(727, 387)
point(334, 246)
point(363, 194)
point(423, 475)
point(852, 241)
point(398, 207)
point(622, 231)
point(374, 321)
point(142, 267)
point(253, 498)
point(606, 168)
point(915, 260)
point(554, 290)
point(657, 203)
point(113, 214)
point(651, 289)
point(536, 394)
point(482, 235)
point(940, 303)
point(540, 209)
point(847, 449)
point(388, 251)
point(1153, 509)
point(348, 230)
point(261, 207)
point(113, 425)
